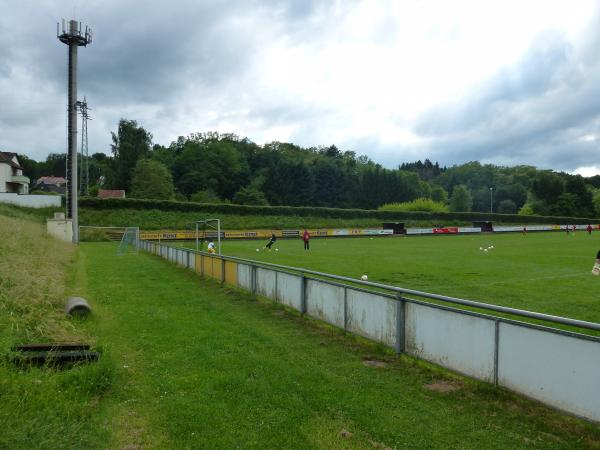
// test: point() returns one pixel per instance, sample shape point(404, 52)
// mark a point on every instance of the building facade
point(12, 179)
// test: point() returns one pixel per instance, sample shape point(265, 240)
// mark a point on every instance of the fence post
point(496, 343)
point(253, 279)
point(400, 324)
point(303, 295)
point(345, 309)
point(222, 270)
point(276, 282)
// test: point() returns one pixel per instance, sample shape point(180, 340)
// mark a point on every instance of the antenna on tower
point(74, 37)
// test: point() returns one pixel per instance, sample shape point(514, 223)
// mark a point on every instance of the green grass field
point(201, 366)
point(543, 272)
point(187, 363)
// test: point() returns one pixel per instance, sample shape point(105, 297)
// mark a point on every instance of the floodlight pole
point(491, 199)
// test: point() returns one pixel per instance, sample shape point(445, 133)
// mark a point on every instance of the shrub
point(420, 204)
point(311, 211)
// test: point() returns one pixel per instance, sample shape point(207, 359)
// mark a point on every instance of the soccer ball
point(257, 250)
point(364, 278)
point(480, 248)
point(276, 249)
point(485, 249)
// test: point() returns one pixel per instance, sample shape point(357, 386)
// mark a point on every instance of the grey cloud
point(535, 112)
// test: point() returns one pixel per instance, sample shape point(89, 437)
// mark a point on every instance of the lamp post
point(491, 200)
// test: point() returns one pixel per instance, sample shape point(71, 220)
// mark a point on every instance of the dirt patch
point(345, 433)
point(375, 363)
point(442, 386)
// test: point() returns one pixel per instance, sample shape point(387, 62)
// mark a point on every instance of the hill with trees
point(222, 168)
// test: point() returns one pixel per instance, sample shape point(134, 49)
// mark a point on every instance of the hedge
point(384, 216)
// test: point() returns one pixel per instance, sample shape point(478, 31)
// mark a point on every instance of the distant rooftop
point(107, 193)
point(57, 181)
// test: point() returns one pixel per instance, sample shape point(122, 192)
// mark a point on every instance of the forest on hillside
point(216, 168)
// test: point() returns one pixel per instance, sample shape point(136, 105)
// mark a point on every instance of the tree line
point(216, 168)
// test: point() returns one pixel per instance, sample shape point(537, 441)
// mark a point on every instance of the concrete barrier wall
point(372, 316)
point(266, 283)
point(558, 368)
point(325, 301)
point(31, 201)
point(460, 342)
point(289, 290)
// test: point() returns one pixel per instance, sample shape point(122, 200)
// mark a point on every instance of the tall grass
point(33, 276)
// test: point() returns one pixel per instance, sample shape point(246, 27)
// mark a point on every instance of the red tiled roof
point(57, 181)
point(107, 193)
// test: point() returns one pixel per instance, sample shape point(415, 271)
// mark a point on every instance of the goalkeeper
point(271, 241)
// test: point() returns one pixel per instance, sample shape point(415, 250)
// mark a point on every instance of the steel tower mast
point(74, 38)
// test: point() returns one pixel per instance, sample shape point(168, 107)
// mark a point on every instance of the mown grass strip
point(208, 367)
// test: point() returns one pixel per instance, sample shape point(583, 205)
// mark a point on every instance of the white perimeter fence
point(557, 367)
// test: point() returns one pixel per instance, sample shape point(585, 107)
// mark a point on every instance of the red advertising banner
point(449, 230)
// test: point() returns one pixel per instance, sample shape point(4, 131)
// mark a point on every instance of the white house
point(11, 175)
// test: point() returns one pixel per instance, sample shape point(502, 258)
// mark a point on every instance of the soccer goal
point(128, 237)
point(208, 229)
point(130, 241)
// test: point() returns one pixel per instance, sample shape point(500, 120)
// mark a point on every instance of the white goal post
point(214, 224)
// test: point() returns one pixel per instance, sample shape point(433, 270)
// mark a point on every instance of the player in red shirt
point(306, 239)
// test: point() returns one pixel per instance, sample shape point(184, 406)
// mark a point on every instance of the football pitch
point(542, 272)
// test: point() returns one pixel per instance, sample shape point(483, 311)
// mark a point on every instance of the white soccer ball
point(276, 249)
point(257, 250)
point(364, 278)
point(480, 248)
point(491, 246)
point(485, 249)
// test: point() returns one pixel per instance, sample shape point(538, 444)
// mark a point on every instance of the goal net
point(101, 234)
point(127, 237)
point(129, 241)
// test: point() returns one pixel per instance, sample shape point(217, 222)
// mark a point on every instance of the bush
point(206, 196)
point(420, 204)
point(250, 196)
point(310, 211)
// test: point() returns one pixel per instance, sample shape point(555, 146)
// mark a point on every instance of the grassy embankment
point(189, 365)
point(43, 407)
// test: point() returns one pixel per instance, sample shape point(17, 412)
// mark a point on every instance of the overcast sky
point(504, 82)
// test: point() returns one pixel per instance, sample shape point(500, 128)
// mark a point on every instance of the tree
point(206, 196)
point(507, 207)
point(249, 195)
point(439, 194)
point(547, 186)
point(461, 200)
point(152, 179)
point(130, 144)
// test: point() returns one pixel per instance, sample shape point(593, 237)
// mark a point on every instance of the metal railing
point(556, 366)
